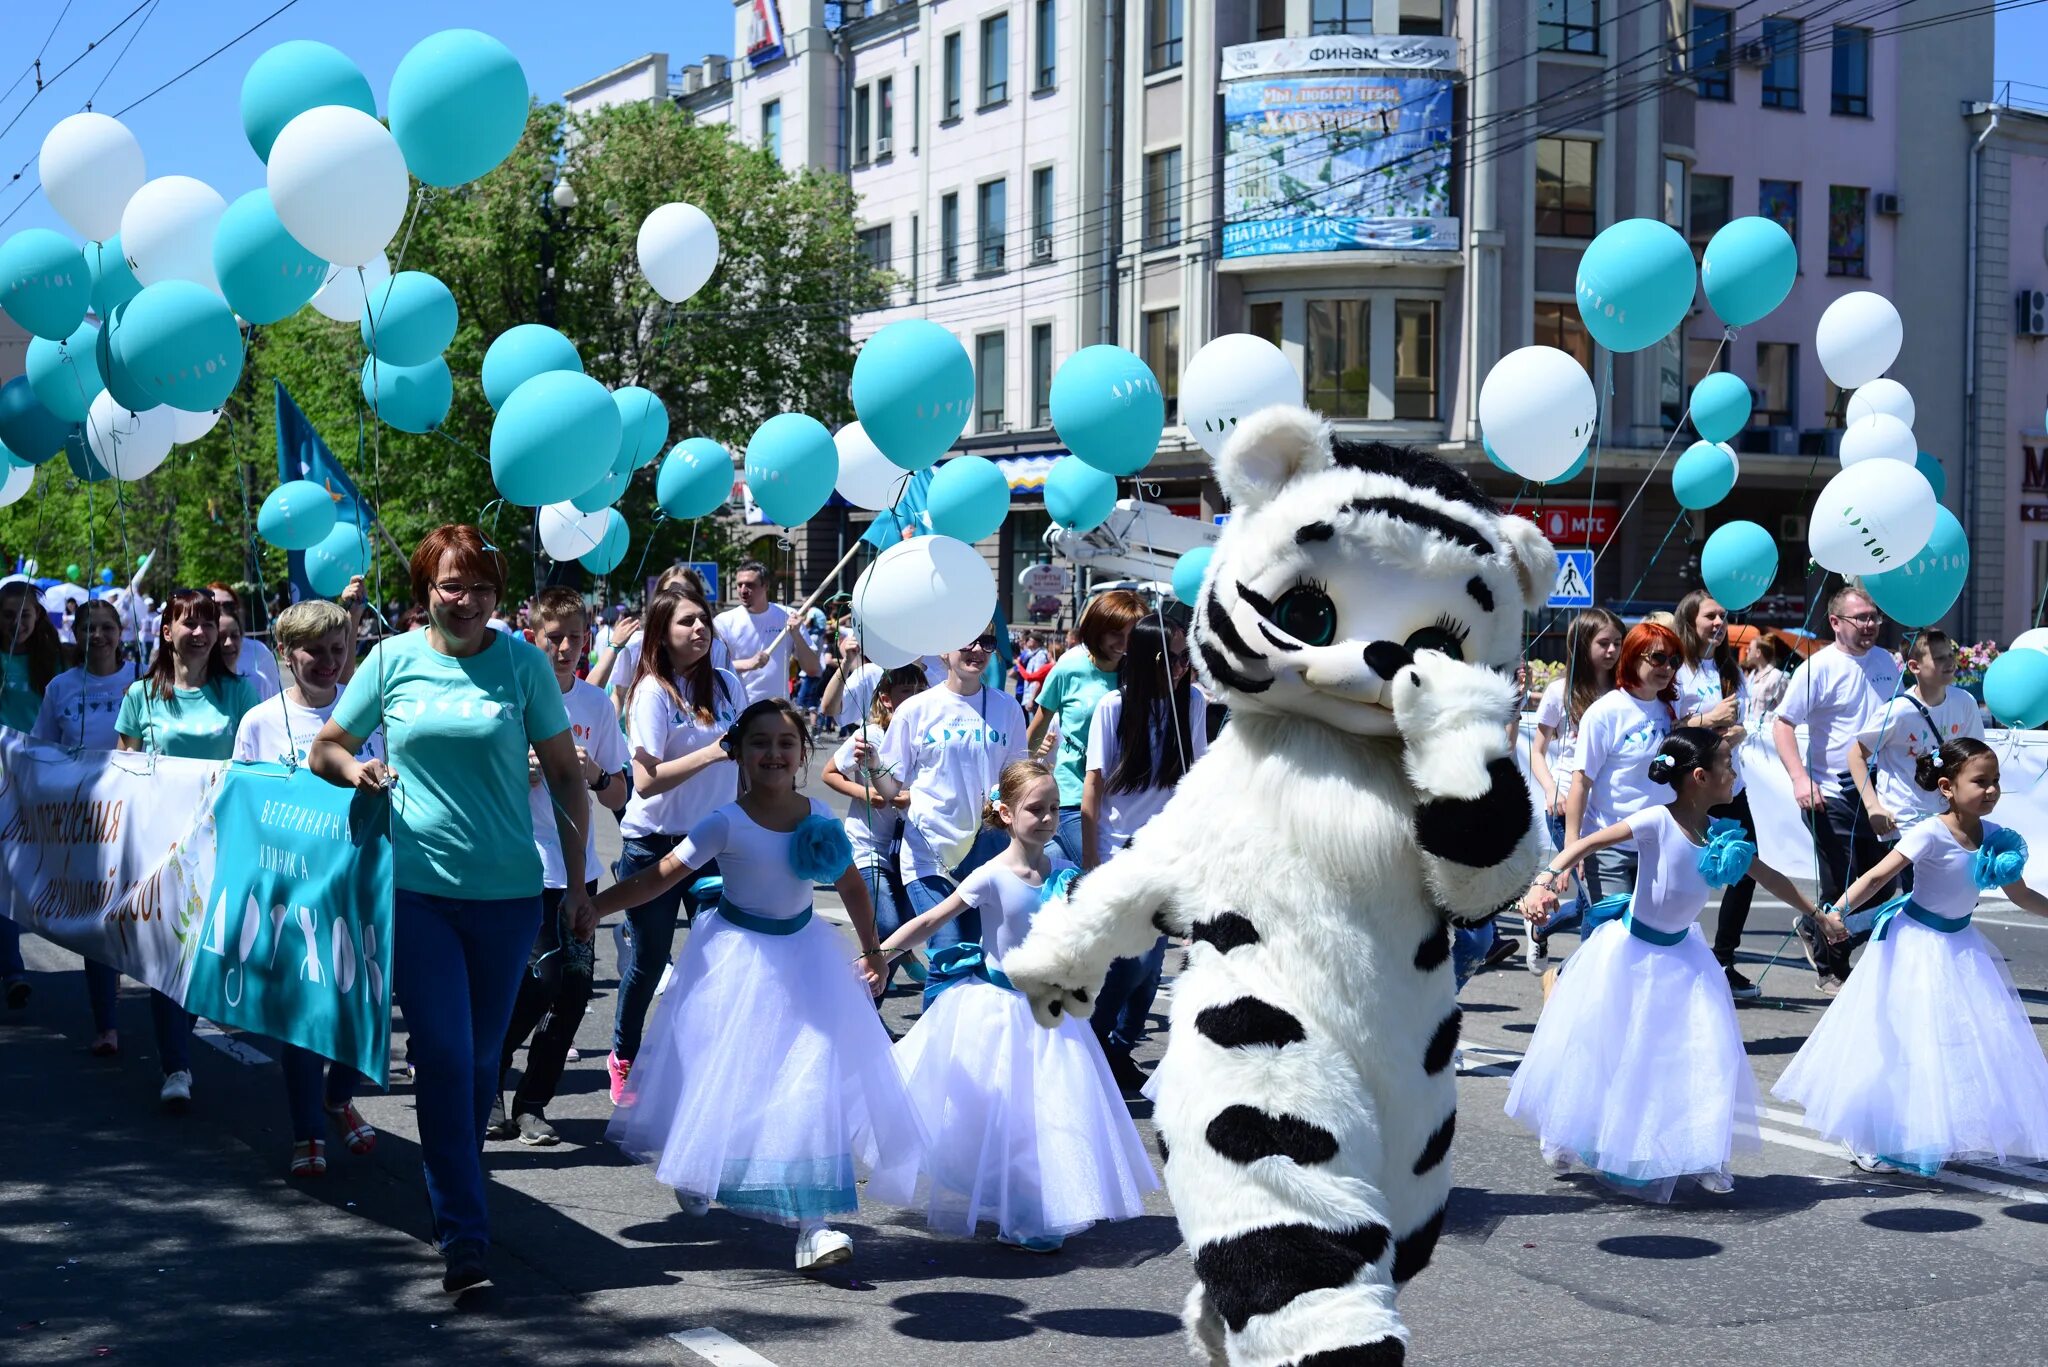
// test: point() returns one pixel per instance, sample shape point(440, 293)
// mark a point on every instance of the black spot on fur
point(1477, 832)
point(1439, 1145)
point(1437, 1056)
point(1161, 923)
point(1259, 602)
point(1469, 919)
point(1425, 517)
point(1481, 594)
point(1277, 642)
point(1433, 951)
point(1412, 1252)
point(1224, 673)
point(1245, 1134)
point(1227, 932)
point(1248, 1023)
point(1406, 463)
point(1266, 1269)
point(1225, 630)
point(1165, 1156)
point(1388, 658)
point(1314, 531)
point(1386, 1352)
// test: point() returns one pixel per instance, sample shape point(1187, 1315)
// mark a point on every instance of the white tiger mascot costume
point(1362, 797)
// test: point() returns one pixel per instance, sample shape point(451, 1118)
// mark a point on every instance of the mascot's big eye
point(1306, 613)
point(1447, 636)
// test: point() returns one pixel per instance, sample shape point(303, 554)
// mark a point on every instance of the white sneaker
point(821, 1246)
point(1557, 1158)
point(1457, 1061)
point(689, 1204)
point(177, 1092)
point(1870, 1162)
point(1537, 953)
point(1719, 1183)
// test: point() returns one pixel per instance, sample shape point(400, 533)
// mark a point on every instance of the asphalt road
point(129, 1234)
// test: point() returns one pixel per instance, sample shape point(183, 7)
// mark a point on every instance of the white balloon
point(567, 533)
point(1875, 515)
point(91, 166)
point(1858, 338)
point(19, 478)
point(338, 183)
point(1538, 410)
point(678, 250)
point(867, 478)
point(927, 595)
point(1878, 437)
point(1231, 378)
point(345, 292)
point(874, 646)
point(127, 445)
point(167, 231)
point(2033, 639)
point(1882, 396)
point(190, 427)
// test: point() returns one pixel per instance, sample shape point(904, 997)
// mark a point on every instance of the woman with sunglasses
point(1618, 737)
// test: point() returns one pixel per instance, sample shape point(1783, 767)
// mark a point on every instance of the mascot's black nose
point(1388, 659)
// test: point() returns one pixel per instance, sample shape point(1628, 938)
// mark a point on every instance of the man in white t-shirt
point(1834, 693)
point(760, 647)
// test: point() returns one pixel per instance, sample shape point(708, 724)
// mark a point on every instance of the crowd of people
point(752, 1069)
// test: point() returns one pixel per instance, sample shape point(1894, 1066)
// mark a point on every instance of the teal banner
point(296, 941)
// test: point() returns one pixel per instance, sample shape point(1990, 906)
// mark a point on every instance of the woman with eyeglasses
point(460, 704)
point(1068, 696)
point(1618, 737)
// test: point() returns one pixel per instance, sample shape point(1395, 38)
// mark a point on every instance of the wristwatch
point(604, 781)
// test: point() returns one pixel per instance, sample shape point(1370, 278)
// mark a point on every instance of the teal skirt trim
point(764, 925)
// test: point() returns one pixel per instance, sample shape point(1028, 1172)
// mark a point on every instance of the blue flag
point(301, 454)
point(890, 524)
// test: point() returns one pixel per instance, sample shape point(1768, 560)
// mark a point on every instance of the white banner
point(1286, 56)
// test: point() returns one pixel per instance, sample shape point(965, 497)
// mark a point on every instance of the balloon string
point(1727, 335)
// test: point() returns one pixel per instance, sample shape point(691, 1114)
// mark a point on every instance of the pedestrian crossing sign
point(1574, 585)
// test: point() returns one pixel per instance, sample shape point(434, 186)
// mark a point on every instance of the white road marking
point(240, 1050)
point(717, 1348)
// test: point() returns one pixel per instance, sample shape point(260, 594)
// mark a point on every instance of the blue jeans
point(173, 1033)
point(311, 1084)
point(1469, 947)
point(927, 892)
point(1068, 841)
point(455, 966)
point(102, 991)
point(892, 907)
point(650, 937)
point(11, 965)
point(1576, 912)
point(1126, 998)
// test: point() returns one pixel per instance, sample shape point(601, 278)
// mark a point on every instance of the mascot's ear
point(1267, 450)
point(1534, 559)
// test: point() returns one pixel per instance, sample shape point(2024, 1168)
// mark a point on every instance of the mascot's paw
point(1055, 987)
point(1453, 720)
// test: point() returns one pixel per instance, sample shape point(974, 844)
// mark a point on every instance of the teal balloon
point(32, 432)
point(44, 285)
point(1189, 571)
point(610, 549)
point(1108, 408)
point(1720, 406)
point(264, 273)
point(1920, 592)
point(605, 492)
point(457, 105)
point(339, 556)
point(1703, 476)
point(179, 341)
point(1636, 284)
point(10, 461)
point(297, 515)
point(695, 481)
point(791, 466)
point(85, 466)
point(1577, 468)
point(643, 428)
point(409, 319)
point(913, 390)
point(113, 284)
point(1739, 563)
point(128, 391)
point(293, 77)
point(2016, 688)
point(1079, 496)
point(519, 353)
point(1748, 269)
point(1936, 476)
point(66, 374)
point(968, 498)
point(411, 398)
point(553, 438)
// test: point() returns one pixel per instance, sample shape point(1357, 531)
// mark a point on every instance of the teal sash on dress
point(1904, 904)
point(957, 964)
point(764, 925)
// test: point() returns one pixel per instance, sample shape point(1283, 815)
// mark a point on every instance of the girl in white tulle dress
point(1027, 1129)
point(1637, 1071)
point(765, 1073)
point(1927, 1055)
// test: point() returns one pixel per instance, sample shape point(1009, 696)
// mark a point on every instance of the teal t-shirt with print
point(19, 701)
point(1070, 693)
point(194, 723)
point(456, 730)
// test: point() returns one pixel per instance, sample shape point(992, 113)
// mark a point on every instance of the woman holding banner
point(30, 656)
point(460, 704)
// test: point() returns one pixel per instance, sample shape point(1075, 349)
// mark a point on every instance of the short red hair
point(473, 557)
point(1643, 638)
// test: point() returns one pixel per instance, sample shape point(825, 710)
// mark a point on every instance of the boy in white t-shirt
point(1917, 722)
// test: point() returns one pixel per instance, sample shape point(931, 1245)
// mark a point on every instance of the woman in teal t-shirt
point(460, 705)
point(1069, 695)
point(30, 656)
point(188, 706)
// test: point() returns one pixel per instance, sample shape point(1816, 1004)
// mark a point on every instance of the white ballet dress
point(1637, 1070)
point(765, 1074)
point(1026, 1128)
point(1927, 1055)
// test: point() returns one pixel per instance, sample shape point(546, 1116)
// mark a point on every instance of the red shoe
point(619, 1068)
point(309, 1158)
point(356, 1132)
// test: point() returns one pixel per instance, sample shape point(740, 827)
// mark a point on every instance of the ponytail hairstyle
point(1586, 685)
point(1155, 708)
point(1684, 750)
point(1017, 777)
point(911, 676)
point(1694, 646)
point(1934, 766)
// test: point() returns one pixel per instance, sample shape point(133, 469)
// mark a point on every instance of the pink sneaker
point(619, 1068)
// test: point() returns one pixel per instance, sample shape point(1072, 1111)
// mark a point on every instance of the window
point(874, 245)
point(885, 117)
point(949, 239)
point(1851, 92)
point(1162, 354)
point(1778, 200)
point(1568, 25)
point(950, 55)
point(1041, 214)
point(1848, 219)
point(1671, 389)
point(860, 125)
point(1674, 193)
point(913, 256)
point(916, 104)
point(995, 59)
point(1777, 375)
point(1340, 16)
point(1781, 73)
point(1045, 52)
point(1424, 18)
point(1271, 21)
point(991, 215)
point(1265, 320)
point(1565, 169)
point(1559, 325)
point(1711, 31)
point(1713, 204)
point(1162, 198)
point(1162, 35)
point(1041, 375)
point(771, 129)
point(1835, 415)
point(1415, 359)
point(1703, 356)
point(1339, 373)
point(988, 382)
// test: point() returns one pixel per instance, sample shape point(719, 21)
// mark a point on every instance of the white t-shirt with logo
point(655, 724)
point(1618, 737)
point(858, 695)
point(871, 828)
point(950, 750)
point(594, 726)
point(1833, 693)
point(1896, 735)
point(258, 664)
point(1124, 813)
point(748, 634)
point(280, 731)
point(1699, 690)
point(79, 709)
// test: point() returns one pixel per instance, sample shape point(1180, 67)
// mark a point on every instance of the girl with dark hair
point(1927, 1056)
point(31, 655)
point(1618, 736)
point(1637, 1071)
point(1714, 692)
point(874, 823)
point(1592, 645)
